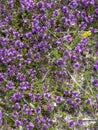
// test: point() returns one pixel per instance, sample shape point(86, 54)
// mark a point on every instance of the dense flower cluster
point(48, 64)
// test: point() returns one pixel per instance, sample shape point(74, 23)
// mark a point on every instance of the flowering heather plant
point(48, 64)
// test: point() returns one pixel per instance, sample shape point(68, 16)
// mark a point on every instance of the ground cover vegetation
point(48, 65)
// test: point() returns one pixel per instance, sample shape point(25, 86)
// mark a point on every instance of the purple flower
point(17, 96)
point(21, 77)
point(10, 85)
point(84, 41)
point(40, 4)
point(37, 119)
point(38, 96)
point(43, 46)
point(96, 65)
point(30, 126)
point(55, 13)
point(79, 122)
point(94, 30)
point(32, 72)
point(83, 25)
point(73, 105)
point(50, 107)
point(65, 9)
point(78, 100)
point(95, 82)
point(59, 99)
point(68, 38)
point(71, 124)
point(19, 44)
point(11, 70)
point(67, 54)
point(16, 106)
point(66, 92)
point(75, 94)
point(15, 114)
point(18, 123)
point(27, 61)
point(32, 97)
point(60, 62)
point(2, 77)
point(69, 100)
point(24, 85)
point(89, 101)
point(74, 57)
point(73, 4)
point(24, 121)
point(28, 111)
point(47, 95)
point(38, 110)
point(45, 127)
point(76, 66)
point(0, 114)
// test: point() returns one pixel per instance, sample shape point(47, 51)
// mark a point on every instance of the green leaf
point(56, 53)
